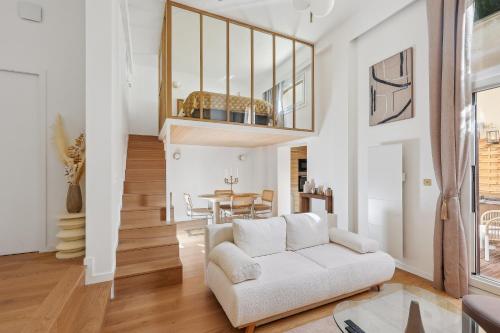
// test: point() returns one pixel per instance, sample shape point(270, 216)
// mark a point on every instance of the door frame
point(476, 279)
point(42, 77)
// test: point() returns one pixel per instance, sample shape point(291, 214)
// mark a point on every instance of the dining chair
point(224, 205)
point(197, 213)
point(241, 206)
point(265, 207)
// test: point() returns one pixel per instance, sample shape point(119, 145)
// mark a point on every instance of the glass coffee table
point(388, 311)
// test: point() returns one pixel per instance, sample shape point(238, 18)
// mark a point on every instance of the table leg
point(217, 212)
point(304, 205)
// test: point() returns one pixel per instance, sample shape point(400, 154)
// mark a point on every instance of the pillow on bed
point(353, 241)
point(235, 263)
point(305, 230)
point(260, 237)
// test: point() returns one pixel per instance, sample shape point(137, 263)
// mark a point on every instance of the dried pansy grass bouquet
point(73, 157)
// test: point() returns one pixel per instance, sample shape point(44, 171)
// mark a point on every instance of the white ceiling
point(146, 18)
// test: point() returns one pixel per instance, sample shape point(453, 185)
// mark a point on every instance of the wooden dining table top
point(226, 197)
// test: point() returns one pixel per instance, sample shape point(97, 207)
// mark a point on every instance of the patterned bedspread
point(214, 101)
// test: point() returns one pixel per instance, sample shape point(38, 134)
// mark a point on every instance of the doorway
point(298, 175)
point(487, 183)
point(22, 171)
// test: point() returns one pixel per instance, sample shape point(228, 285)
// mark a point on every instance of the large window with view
point(486, 175)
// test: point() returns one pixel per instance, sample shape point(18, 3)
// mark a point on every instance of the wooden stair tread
point(145, 164)
point(145, 187)
point(146, 225)
point(144, 243)
point(135, 208)
point(147, 267)
point(141, 225)
point(45, 318)
point(141, 215)
point(139, 137)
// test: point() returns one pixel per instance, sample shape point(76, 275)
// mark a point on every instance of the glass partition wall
point(227, 71)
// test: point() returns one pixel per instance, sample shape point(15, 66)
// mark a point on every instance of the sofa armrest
point(234, 262)
point(216, 234)
point(355, 242)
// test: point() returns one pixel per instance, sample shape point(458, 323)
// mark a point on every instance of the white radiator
point(385, 197)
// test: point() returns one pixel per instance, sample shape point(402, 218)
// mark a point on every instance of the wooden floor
point(25, 281)
point(491, 269)
point(191, 307)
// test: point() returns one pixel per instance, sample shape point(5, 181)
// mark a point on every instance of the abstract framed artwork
point(391, 89)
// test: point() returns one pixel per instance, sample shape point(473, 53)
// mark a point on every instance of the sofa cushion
point(260, 237)
point(305, 230)
point(348, 270)
point(355, 242)
point(288, 281)
point(236, 264)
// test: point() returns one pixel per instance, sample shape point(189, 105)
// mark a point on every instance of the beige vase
point(74, 199)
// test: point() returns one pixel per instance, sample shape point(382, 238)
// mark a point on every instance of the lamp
point(318, 8)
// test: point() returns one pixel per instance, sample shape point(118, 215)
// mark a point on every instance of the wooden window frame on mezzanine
point(165, 75)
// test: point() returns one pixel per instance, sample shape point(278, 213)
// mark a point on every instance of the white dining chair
point(197, 213)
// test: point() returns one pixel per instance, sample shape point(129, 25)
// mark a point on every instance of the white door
point(21, 168)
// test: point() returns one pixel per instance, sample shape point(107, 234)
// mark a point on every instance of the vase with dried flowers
point(73, 158)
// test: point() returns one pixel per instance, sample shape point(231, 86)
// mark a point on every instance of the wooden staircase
point(148, 249)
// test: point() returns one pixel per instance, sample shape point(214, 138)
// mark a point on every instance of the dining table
point(216, 199)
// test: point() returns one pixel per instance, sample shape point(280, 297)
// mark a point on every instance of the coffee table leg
point(217, 212)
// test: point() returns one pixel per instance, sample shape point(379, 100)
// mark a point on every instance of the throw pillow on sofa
point(235, 263)
point(260, 237)
point(355, 242)
point(305, 230)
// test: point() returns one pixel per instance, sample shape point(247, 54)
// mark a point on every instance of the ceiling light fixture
point(318, 8)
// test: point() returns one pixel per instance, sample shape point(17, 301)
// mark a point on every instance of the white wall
point(200, 170)
point(106, 119)
point(143, 110)
point(337, 156)
point(406, 29)
point(56, 47)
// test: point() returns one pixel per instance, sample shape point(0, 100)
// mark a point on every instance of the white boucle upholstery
point(288, 281)
point(305, 230)
point(348, 270)
point(216, 234)
point(260, 237)
point(355, 242)
point(236, 264)
point(293, 279)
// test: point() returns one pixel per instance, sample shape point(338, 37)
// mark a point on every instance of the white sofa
point(292, 281)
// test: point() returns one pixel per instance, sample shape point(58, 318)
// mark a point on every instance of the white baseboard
point(413, 270)
point(91, 277)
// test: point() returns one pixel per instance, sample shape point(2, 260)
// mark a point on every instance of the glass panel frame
point(304, 101)
point(263, 78)
point(214, 65)
point(186, 56)
point(240, 73)
point(255, 97)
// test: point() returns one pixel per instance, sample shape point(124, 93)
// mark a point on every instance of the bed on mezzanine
point(214, 108)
